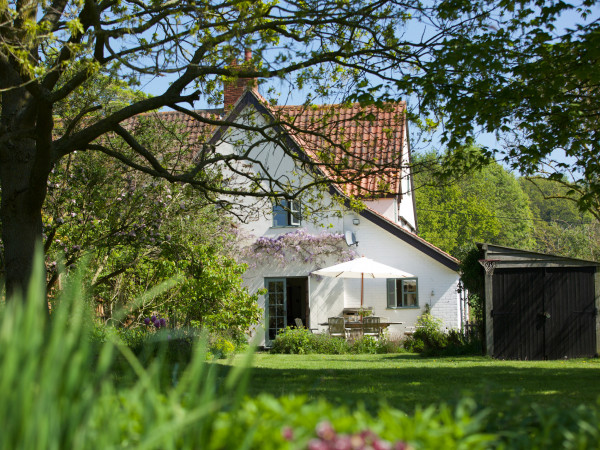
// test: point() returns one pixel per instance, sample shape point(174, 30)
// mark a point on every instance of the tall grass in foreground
point(57, 387)
point(58, 391)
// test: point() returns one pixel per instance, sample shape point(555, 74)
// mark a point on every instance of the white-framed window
point(286, 213)
point(402, 293)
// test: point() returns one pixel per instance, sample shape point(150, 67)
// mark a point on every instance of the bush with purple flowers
point(155, 321)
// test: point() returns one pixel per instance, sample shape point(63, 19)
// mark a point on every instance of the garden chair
point(371, 326)
point(299, 324)
point(337, 327)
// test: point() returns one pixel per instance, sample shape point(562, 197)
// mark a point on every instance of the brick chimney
point(233, 91)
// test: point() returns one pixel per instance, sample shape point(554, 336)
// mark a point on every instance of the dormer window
point(286, 213)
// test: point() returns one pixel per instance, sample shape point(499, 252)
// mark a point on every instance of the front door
point(286, 300)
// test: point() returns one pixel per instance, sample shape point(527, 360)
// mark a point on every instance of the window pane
point(409, 293)
point(280, 215)
point(391, 293)
point(295, 213)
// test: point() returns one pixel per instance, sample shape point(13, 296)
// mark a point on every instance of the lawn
point(406, 380)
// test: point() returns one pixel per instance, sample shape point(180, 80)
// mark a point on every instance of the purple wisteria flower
point(301, 246)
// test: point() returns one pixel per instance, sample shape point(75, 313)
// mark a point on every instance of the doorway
point(285, 301)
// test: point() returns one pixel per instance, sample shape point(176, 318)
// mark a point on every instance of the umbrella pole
point(362, 281)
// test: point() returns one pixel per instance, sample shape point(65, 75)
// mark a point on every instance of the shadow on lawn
point(408, 387)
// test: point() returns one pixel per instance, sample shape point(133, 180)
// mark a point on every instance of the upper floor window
point(286, 213)
point(402, 293)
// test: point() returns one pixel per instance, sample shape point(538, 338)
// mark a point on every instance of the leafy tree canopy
point(518, 72)
point(487, 205)
point(498, 65)
point(139, 232)
point(561, 228)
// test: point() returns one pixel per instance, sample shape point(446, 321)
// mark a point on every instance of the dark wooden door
point(518, 331)
point(570, 329)
point(544, 313)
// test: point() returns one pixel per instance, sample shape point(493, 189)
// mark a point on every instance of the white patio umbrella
point(362, 268)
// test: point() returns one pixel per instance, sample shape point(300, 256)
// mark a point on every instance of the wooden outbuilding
point(540, 306)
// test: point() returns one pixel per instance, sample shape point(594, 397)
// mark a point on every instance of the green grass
point(405, 381)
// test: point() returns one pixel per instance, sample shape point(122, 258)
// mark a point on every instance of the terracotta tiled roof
point(349, 137)
point(193, 130)
point(359, 137)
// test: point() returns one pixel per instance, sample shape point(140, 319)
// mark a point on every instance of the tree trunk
point(24, 170)
point(21, 214)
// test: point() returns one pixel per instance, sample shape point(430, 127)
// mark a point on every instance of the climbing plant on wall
point(299, 246)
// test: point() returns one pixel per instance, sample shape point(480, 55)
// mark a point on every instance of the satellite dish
point(350, 238)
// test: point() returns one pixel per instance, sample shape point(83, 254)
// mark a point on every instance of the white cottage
point(385, 231)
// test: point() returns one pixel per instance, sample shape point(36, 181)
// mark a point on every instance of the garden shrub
point(302, 341)
point(430, 340)
point(387, 345)
point(293, 341)
point(221, 347)
point(329, 345)
point(365, 344)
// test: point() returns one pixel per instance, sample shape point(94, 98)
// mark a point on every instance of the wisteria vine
point(300, 246)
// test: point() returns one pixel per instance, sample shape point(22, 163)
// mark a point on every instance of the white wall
point(387, 207)
point(406, 209)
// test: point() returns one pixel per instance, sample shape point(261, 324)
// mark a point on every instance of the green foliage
point(140, 232)
point(365, 344)
point(328, 345)
point(292, 340)
point(472, 273)
point(430, 339)
point(473, 277)
point(53, 364)
point(293, 422)
point(302, 341)
point(526, 72)
point(221, 347)
point(561, 228)
point(457, 210)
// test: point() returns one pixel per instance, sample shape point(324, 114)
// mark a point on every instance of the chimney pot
point(233, 91)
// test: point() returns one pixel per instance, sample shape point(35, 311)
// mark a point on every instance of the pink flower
point(325, 431)
point(287, 433)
